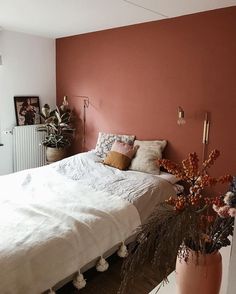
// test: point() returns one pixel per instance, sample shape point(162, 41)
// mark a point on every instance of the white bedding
point(141, 189)
point(56, 219)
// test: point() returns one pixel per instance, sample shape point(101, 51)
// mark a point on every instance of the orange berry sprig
point(172, 167)
point(190, 165)
point(171, 200)
point(217, 200)
point(206, 180)
point(225, 179)
point(197, 180)
point(178, 203)
point(195, 200)
point(181, 202)
point(211, 159)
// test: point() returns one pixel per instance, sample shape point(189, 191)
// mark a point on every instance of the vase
point(55, 154)
point(200, 274)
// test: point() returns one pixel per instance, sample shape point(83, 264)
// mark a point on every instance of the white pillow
point(169, 177)
point(105, 142)
point(146, 156)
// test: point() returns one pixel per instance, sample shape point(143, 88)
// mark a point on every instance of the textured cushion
point(105, 142)
point(146, 156)
point(120, 155)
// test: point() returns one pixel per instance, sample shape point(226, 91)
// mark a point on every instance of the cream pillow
point(146, 156)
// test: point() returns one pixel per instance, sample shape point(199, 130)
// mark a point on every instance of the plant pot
point(55, 154)
point(201, 274)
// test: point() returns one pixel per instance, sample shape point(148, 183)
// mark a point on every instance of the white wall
point(28, 69)
point(232, 267)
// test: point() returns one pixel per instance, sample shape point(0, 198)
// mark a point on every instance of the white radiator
point(27, 151)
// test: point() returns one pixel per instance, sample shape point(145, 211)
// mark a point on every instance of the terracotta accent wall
point(137, 76)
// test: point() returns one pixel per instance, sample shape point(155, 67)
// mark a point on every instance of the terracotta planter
point(199, 276)
point(55, 154)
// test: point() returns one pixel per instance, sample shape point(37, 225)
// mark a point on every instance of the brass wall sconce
point(85, 106)
point(206, 126)
point(181, 120)
point(205, 135)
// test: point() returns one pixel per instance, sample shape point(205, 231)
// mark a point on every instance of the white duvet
point(56, 219)
point(52, 225)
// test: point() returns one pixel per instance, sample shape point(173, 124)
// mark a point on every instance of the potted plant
point(59, 130)
point(187, 230)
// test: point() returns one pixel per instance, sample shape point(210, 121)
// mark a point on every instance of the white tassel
point(79, 282)
point(51, 291)
point(102, 265)
point(123, 251)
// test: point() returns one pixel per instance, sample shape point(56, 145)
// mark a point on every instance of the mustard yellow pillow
point(120, 155)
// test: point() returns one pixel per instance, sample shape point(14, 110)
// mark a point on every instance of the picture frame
point(27, 110)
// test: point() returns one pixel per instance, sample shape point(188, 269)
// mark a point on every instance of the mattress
point(56, 219)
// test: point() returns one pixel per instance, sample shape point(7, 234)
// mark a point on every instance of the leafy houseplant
point(58, 128)
point(192, 222)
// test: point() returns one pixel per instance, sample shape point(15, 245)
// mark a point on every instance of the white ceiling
point(59, 18)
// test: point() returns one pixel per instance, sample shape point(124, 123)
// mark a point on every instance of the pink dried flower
point(232, 212)
point(223, 211)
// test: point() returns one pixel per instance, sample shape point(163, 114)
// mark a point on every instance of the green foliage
point(58, 127)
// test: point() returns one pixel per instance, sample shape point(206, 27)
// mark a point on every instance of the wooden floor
point(109, 281)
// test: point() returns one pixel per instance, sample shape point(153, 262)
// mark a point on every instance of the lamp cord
point(86, 105)
point(84, 126)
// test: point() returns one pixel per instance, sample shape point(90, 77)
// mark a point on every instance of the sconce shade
point(181, 119)
point(65, 104)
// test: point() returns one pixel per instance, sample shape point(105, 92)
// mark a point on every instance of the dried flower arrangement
point(191, 221)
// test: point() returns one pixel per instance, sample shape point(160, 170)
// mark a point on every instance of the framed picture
point(27, 110)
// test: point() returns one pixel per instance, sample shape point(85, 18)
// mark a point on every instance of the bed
point(61, 219)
